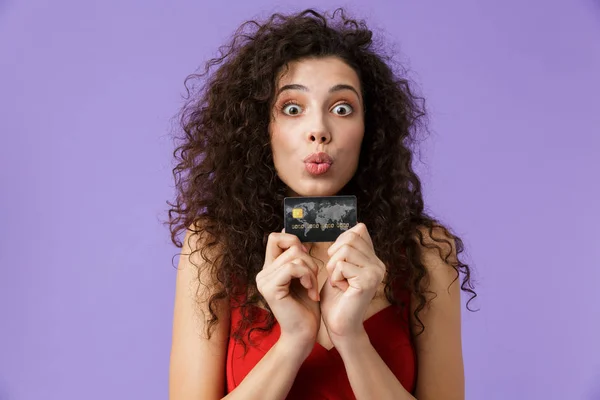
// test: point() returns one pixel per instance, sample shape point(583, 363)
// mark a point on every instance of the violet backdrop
point(87, 95)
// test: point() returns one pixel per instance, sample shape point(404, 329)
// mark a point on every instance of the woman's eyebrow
point(336, 88)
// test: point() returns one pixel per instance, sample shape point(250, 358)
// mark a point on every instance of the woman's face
point(317, 126)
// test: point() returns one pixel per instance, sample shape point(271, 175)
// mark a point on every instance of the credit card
point(319, 219)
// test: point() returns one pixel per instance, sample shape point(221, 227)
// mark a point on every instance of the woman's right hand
point(288, 282)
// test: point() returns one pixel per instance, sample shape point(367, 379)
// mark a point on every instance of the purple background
point(87, 92)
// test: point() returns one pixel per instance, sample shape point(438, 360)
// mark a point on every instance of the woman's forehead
point(315, 70)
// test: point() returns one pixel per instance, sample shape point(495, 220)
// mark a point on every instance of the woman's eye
point(292, 109)
point(343, 109)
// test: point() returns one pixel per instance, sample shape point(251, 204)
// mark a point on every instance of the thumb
point(328, 290)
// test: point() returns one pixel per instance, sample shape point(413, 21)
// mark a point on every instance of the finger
point(293, 270)
point(344, 270)
point(306, 280)
point(354, 239)
point(297, 253)
point(342, 273)
point(363, 232)
point(313, 287)
point(349, 275)
point(309, 281)
point(349, 254)
point(314, 293)
point(283, 275)
point(277, 243)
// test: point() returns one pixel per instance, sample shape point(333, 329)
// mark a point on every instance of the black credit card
point(319, 219)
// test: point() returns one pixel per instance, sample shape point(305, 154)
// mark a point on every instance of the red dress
point(323, 375)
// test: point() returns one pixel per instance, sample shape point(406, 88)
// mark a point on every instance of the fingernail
point(305, 249)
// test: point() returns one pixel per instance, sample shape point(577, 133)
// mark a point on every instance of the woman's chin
point(312, 191)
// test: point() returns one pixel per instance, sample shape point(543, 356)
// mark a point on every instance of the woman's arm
point(197, 366)
point(439, 347)
point(273, 376)
point(298, 317)
point(439, 351)
point(369, 376)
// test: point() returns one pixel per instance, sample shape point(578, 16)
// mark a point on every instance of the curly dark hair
point(228, 191)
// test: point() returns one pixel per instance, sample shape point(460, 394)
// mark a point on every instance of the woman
point(303, 105)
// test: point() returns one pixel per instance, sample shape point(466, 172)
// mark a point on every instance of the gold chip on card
point(297, 213)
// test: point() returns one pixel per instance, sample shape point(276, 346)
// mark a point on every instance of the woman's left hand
point(354, 275)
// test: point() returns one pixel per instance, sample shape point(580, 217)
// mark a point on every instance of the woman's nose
point(321, 137)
